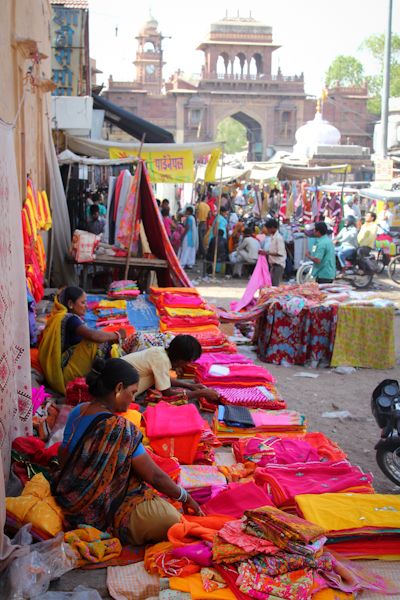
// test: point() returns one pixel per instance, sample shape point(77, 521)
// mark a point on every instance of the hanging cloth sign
point(163, 167)
point(212, 164)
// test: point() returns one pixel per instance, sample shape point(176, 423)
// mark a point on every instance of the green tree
point(233, 134)
point(375, 45)
point(345, 71)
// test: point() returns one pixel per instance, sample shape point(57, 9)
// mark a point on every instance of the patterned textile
point(274, 450)
point(233, 533)
point(261, 396)
point(91, 545)
point(227, 553)
point(130, 215)
point(132, 582)
point(308, 336)
point(15, 372)
point(289, 532)
point(284, 562)
point(295, 585)
point(96, 485)
point(211, 580)
point(195, 476)
point(365, 337)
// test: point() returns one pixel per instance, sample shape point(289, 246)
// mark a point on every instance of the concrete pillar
point(180, 118)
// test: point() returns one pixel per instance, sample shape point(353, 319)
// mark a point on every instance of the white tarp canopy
point(100, 148)
point(228, 173)
point(68, 158)
point(384, 195)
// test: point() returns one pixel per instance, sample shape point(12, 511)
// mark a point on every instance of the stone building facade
point(236, 81)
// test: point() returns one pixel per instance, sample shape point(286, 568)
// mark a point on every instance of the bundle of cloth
point(358, 526)
point(183, 310)
point(266, 554)
point(285, 482)
point(110, 315)
point(235, 422)
point(283, 450)
point(125, 288)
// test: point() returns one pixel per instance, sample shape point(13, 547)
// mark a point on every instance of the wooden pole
point(218, 213)
point(138, 177)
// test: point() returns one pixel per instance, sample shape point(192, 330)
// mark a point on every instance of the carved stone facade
point(236, 81)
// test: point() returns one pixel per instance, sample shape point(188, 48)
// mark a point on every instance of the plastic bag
point(79, 593)
point(29, 576)
point(84, 245)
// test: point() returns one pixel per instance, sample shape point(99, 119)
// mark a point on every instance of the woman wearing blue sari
point(190, 243)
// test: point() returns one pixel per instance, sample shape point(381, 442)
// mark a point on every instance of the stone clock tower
point(149, 58)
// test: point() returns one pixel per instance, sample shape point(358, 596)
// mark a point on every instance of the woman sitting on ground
point(68, 347)
point(105, 467)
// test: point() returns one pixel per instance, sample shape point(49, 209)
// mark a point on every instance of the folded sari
point(296, 585)
point(289, 532)
point(235, 499)
point(197, 476)
point(180, 300)
point(284, 482)
point(274, 450)
point(165, 420)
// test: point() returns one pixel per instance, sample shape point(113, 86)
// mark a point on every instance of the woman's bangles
point(183, 496)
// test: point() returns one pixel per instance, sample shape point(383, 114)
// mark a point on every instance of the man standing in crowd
point(276, 253)
point(323, 255)
point(202, 212)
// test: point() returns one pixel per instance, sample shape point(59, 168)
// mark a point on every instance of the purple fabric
point(260, 278)
point(222, 358)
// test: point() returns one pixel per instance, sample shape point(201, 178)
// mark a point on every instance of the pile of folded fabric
point(205, 451)
point(284, 482)
point(282, 450)
point(358, 525)
point(235, 422)
point(109, 315)
point(124, 288)
point(183, 310)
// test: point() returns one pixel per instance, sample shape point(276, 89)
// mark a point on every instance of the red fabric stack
point(77, 391)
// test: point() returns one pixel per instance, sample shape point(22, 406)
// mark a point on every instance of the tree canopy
point(345, 71)
point(233, 134)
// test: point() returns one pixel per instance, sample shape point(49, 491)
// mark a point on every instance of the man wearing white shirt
point(276, 253)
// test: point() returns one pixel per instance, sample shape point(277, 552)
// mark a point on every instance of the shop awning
point(68, 158)
point(293, 173)
point(384, 195)
point(100, 148)
point(131, 123)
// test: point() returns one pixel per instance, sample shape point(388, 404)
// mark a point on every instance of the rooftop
point(241, 25)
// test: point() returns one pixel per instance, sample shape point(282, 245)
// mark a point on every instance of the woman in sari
point(190, 243)
point(105, 467)
point(68, 347)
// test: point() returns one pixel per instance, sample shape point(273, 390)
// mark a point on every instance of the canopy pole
point(138, 176)
point(386, 82)
point(218, 213)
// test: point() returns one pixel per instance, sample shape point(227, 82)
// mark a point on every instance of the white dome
point(315, 133)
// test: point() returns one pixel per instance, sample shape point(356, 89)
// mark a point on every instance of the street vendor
point(323, 255)
point(105, 467)
point(68, 347)
point(276, 252)
point(155, 364)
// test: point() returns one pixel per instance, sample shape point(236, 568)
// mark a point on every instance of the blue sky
point(311, 32)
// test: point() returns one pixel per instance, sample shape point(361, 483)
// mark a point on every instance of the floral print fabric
point(295, 585)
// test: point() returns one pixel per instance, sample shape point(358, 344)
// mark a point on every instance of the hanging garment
point(260, 278)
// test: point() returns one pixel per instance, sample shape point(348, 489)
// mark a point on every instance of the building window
point(195, 117)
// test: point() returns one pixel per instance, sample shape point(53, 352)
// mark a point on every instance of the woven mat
point(385, 568)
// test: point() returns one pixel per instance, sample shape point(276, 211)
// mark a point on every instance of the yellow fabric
point(365, 337)
point(36, 505)
point(81, 360)
point(211, 169)
point(188, 312)
point(202, 211)
point(46, 208)
point(50, 348)
point(150, 554)
point(153, 366)
point(164, 327)
point(113, 304)
point(90, 545)
point(335, 512)
point(134, 416)
point(115, 351)
point(193, 584)
point(367, 235)
point(30, 207)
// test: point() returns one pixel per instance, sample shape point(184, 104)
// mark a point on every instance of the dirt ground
point(329, 391)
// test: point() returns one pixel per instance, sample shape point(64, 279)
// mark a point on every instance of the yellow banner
point(211, 169)
point(163, 167)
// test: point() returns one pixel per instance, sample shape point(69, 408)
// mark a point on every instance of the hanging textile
point(15, 383)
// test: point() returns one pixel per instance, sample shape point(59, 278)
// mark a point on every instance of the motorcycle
point(385, 405)
point(361, 273)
